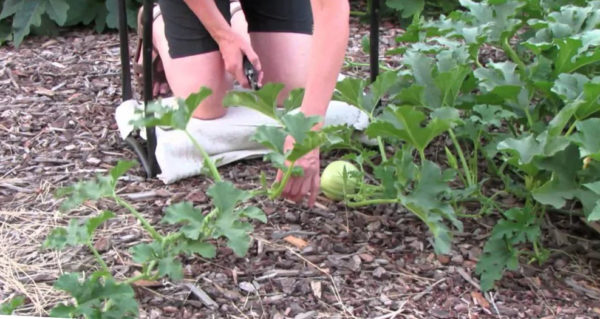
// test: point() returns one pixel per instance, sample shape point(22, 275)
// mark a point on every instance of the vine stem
point(381, 149)
point(131, 280)
point(522, 68)
point(211, 165)
point(98, 257)
point(373, 202)
point(571, 128)
point(141, 218)
point(461, 155)
point(279, 189)
point(514, 56)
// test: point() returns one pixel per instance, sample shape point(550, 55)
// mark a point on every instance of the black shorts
point(187, 36)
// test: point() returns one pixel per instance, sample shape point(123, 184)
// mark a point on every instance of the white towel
point(226, 140)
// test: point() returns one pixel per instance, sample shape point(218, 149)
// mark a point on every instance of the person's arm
point(330, 39)
point(231, 44)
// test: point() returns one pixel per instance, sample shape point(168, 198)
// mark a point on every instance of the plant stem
point(461, 156)
point(381, 149)
point(374, 202)
point(211, 165)
point(279, 189)
point(98, 257)
point(145, 224)
point(358, 13)
point(131, 280)
point(571, 128)
point(514, 57)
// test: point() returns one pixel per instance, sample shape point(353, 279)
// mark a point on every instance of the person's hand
point(298, 187)
point(232, 48)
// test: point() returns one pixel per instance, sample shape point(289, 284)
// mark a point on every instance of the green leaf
point(299, 125)
point(271, 137)
point(426, 201)
point(595, 214)
point(497, 255)
point(112, 9)
point(28, 14)
point(86, 12)
point(379, 88)
point(491, 115)
point(160, 114)
point(312, 141)
point(408, 8)
point(351, 91)
point(501, 80)
point(101, 187)
point(294, 99)
point(519, 226)
point(226, 196)
point(78, 232)
point(171, 267)
point(10, 7)
point(120, 169)
point(63, 311)
point(143, 253)
point(405, 123)
point(93, 223)
point(563, 182)
point(204, 249)
point(254, 213)
point(594, 187)
point(7, 308)
point(57, 11)
point(98, 296)
point(263, 100)
point(580, 93)
point(185, 213)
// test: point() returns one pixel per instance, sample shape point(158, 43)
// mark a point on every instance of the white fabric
point(226, 140)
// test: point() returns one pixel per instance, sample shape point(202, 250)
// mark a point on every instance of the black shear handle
point(251, 73)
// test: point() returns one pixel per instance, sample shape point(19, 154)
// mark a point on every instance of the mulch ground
point(57, 102)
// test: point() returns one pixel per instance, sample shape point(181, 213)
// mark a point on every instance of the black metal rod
point(147, 56)
point(374, 41)
point(125, 67)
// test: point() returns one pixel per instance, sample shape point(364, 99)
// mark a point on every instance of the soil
point(57, 127)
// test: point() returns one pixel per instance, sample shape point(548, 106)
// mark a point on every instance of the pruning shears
point(251, 74)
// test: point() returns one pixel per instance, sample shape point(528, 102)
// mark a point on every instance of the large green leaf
point(78, 232)
point(587, 138)
point(57, 11)
point(8, 307)
point(426, 202)
point(406, 123)
point(263, 100)
point(227, 223)
point(408, 8)
point(580, 94)
point(98, 296)
point(563, 183)
point(28, 14)
point(185, 213)
point(159, 114)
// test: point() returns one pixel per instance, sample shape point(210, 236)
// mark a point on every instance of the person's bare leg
point(284, 58)
point(188, 74)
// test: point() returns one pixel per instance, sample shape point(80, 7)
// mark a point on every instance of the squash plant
point(100, 295)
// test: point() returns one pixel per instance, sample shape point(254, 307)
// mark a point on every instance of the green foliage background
point(20, 18)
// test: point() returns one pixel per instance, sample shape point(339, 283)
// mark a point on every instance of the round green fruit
point(332, 180)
